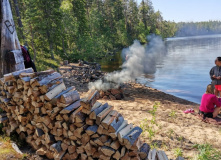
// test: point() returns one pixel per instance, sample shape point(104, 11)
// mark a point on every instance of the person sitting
point(27, 58)
point(210, 105)
point(215, 75)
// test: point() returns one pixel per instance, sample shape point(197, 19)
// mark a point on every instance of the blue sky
point(188, 10)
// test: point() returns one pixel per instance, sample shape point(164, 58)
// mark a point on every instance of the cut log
point(90, 100)
point(80, 117)
point(107, 151)
point(55, 99)
point(132, 136)
point(114, 135)
point(70, 97)
point(73, 115)
point(3, 120)
point(115, 145)
point(51, 94)
point(91, 130)
point(116, 124)
point(49, 78)
point(144, 150)
point(98, 110)
point(56, 147)
point(109, 119)
point(103, 114)
point(58, 156)
point(42, 151)
point(71, 108)
point(124, 132)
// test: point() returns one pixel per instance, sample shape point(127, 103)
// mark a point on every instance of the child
point(208, 102)
point(215, 75)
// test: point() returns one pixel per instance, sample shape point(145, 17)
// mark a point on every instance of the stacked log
point(83, 73)
point(59, 125)
point(112, 94)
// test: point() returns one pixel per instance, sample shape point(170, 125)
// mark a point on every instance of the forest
point(198, 28)
point(84, 29)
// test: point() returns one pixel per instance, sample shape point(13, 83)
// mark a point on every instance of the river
point(184, 71)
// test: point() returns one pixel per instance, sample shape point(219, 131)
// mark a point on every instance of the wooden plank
point(103, 114)
point(51, 94)
point(71, 108)
point(132, 136)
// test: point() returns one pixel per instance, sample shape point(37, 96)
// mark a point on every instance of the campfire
point(112, 94)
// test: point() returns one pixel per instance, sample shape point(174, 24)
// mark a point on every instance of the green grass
point(148, 126)
point(206, 152)
point(178, 152)
point(173, 114)
point(43, 63)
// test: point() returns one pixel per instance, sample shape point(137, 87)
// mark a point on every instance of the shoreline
point(174, 129)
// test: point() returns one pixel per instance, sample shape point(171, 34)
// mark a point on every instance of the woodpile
point(81, 72)
point(59, 125)
point(112, 94)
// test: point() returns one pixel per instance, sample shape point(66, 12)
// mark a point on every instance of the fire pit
point(112, 94)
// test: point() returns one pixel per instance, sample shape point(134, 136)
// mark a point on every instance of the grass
point(206, 152)
point(178, 152)
point(43, 63)
point(6, 149)
point(173, 114)
point(148, 126)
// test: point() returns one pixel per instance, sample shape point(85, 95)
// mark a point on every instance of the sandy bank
point(174, 129)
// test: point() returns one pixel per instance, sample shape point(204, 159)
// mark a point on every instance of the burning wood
point(112, 94)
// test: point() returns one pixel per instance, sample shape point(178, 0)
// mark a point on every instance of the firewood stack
point(112, 94)
point(59, 125)
point(82, 73)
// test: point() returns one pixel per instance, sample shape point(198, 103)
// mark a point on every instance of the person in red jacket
point(210, 104)
point(27, 58)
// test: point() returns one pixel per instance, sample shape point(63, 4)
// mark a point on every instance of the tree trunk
point(19, 21)
point(32, 43)
point(9, 42)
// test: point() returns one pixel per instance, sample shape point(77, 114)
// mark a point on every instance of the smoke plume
point(139, 59)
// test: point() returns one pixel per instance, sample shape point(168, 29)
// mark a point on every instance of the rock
point(105, 97)
point(107, 93)
point(112, 97)
point(115, 91)
point(118, 97)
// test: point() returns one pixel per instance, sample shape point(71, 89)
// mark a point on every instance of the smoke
point(139, 59)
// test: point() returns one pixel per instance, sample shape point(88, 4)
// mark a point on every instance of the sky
point(188, 10)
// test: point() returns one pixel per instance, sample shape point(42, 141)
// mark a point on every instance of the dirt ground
point(172, 128)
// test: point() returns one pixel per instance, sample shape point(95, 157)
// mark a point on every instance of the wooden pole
point(9, 42)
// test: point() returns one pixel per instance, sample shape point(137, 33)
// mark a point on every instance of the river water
point(184, 71)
